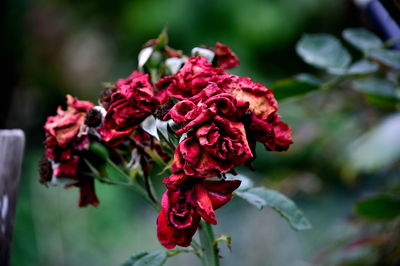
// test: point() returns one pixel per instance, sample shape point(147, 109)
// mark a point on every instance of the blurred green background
point(52, 48)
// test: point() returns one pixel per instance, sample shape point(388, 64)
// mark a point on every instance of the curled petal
point(220, 192)
point(283, 136)
point(204, 204)
point(261, 100)
point(81, 106)
point(175, 180)
point(87, 192)
point(274, 134)
point(67, 168)
point(210, 90)
point(226, 59)
point(183, 111)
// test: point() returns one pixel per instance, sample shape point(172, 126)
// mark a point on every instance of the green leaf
point(362, 39)
point(376, 149)
point(323, 51)
point(114, 172)
point(377, 86)
point(309, 78)
point(360, 67)
point(292, 87)
point(390, 58)
point(252, 199)
point(99, 150)
point(134, 258)
point(162, 39)
point(207, 53)
point(150, 126)
point(260, 197)
point(245, 182)
point(381, 207)
point(155, 258)
point(144, 56)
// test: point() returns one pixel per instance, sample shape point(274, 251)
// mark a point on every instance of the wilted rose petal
point(182, 209)
point(226, 59)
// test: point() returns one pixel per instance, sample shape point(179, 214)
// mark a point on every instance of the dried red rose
point(198, 82)
point(193, 115)
point(63, 128)
point(261, 100)
point(226, 59)
point(212, 149)
point(64, 142)
point(182, 209)
point(130, 104)
point(191, 79)
point(273, 133)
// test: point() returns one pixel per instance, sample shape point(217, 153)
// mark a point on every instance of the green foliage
point(261, 197)
point(379, 87)
point(99, 150)
point(377, 148)
point(373, 75)
point(296, 86)
point(390, 58)
point(372, 46)
point(360, 67)
point(380, 207)
point(155, 258)
point(114, 172)
point(323, 51)
point(362, 39)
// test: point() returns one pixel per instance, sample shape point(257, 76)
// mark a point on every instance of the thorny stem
point(210, 251)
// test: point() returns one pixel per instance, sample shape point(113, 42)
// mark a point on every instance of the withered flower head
point(45, 170)
point(93, 117)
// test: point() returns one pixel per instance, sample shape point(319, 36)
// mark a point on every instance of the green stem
point(147, 193)
point(210, 251)
point(133, 186)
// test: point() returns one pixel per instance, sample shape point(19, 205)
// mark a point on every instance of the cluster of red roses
point(221, 116)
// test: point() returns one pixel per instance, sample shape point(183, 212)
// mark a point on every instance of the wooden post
point(11, 153)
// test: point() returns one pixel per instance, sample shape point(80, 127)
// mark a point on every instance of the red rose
point(130, 104)
point(212, 149)
point(64, 142)
point(62, 129)
point(198, 80)
point(182, 209)
point(224, 105)
point(274, 134)
point(208, 93)
point(261, 100)
point(226, 59)
point(191, 79)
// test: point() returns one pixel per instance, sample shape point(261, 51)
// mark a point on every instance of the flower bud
point(45, 170)
point(93, 117)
